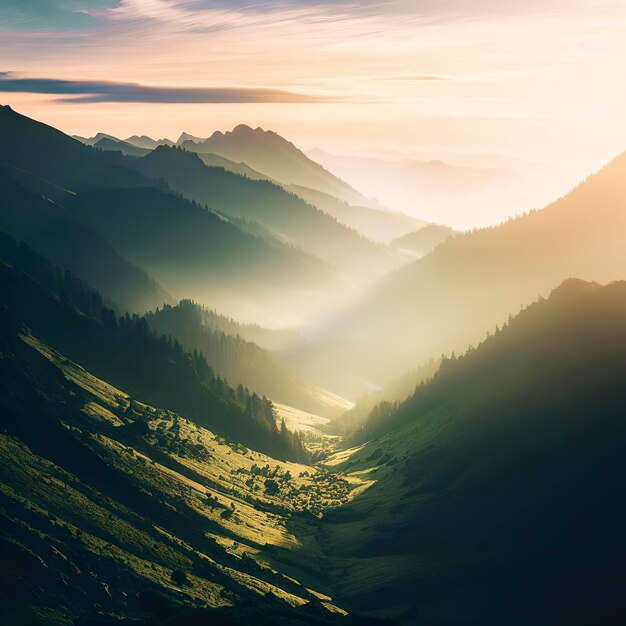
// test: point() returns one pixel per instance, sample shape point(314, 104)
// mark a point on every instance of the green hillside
point(239, 360)
point(110, 513)
point(151, 367)
point(494, 495)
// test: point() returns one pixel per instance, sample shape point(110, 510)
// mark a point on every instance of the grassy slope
point(102, 497)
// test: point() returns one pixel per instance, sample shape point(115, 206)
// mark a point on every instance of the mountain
point(475, 280)
point(48, 227)
point(462, 191)
point(375, 224)
point(423, 241)
point(290, 218)
point(270, 339)
point(90, 141)
point(240, 361)
point(148, 366)
point(195, 253)
point(493, 494)
point(381, 401)
point(48, 153)
point(274, 156)
point(213, 160)
point(115, 511)
point(187, 138)
point(264, 265)
point(124, 147)
point(143, 141)
point(378, 225)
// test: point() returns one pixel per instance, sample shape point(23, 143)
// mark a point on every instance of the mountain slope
point(123, 146)
point(47, 152)
point(494, 498)
point(143, 141)
point(286, 215)
point(473, 281)
point(266, 268)
point(150, 367)
point(274, 156)
point(375, 224)
point(114, 511)
point(195, 253)
point(45, 225)
point(423, 241)
point(238, 360)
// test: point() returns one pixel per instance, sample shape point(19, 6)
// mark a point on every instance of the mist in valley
point(312, 313)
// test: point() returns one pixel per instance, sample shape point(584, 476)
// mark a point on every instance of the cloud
point(52, 14)
point(84, 91)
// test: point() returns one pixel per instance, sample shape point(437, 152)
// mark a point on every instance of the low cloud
point(83, 91)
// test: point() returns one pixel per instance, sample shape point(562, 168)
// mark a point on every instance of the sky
point(537, 79)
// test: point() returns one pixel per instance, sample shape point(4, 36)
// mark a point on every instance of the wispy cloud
point(84, 91)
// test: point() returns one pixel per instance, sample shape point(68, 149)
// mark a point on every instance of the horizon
point(467, 84)
point(358, 77)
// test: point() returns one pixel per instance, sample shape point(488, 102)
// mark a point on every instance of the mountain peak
point(187, 137)
point(244, 128)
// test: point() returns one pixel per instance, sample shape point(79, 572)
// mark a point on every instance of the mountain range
point(471, 282)
point(280, 162)
point(176, 450)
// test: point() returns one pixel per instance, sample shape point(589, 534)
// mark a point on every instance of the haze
point(541, 81)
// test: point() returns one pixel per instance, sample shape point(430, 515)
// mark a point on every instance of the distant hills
point(291, 219)
point(143, 141)
point(459, 190)
point(274, 156)
point(46, 159)
point(423, 241)
point(494, 494)
point(264, 155)
point(124, 147)
point(473, 281)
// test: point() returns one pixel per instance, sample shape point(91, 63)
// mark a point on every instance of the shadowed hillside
point(47, 226)
point(190, 249)
point(287, 216)
point(495, 494)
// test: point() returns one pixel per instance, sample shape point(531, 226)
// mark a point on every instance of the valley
point(236, 391)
